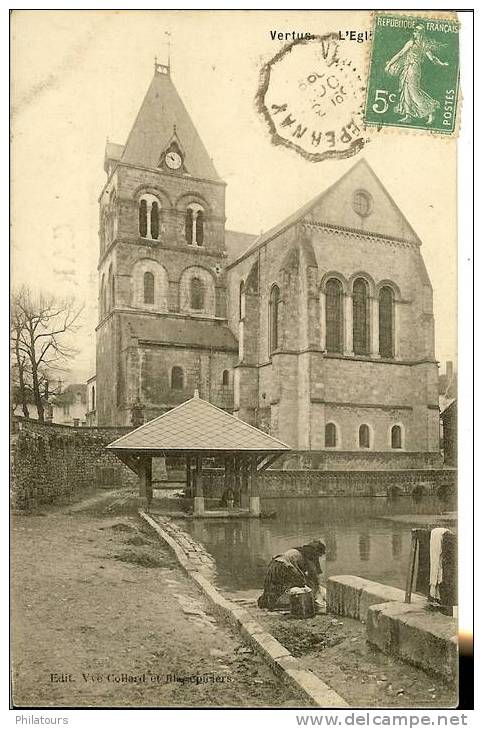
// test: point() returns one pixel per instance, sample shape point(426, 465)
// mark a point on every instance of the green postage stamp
point(414, 73)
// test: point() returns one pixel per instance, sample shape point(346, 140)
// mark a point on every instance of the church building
point(319, 331)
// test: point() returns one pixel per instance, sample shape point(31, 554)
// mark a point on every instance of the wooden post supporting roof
point(146, 479)
point(253, 488)
point(199, 501)
point(189, 494)
point(196, 429)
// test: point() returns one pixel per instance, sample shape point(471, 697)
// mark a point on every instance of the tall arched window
point(109, 290)
point(194, 225)
point(188, 226)
point(333, 316)
point(148, 287)
point(364, 436)
point(241, 301)
point(386, 323)
point(396, 436)
point(102, 298)
point(225, 379)
point(113, 290)
point(330, 435)
point(149, 210)
point(273, 318)
point(177, 378)
point(155, 220)
point(360, 317)
point(197, 294)
point(199, 227)
point(93, 398)
point(143, 219)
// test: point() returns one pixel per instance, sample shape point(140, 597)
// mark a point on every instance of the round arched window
point(362, 203)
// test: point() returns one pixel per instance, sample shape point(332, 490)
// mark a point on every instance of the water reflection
point(364, 547)
point(358, 541)
point(396, 542)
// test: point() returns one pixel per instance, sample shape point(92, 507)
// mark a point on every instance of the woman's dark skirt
point(279, 578)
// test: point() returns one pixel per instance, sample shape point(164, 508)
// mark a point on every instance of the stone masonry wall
point(52, 461)
point(313, 484)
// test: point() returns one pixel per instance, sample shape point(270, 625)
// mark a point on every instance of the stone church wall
point(202, 370)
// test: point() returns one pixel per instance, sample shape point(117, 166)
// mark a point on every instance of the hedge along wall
point(50, 461)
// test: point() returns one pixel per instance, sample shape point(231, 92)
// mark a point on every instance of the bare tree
point(40, 329)
point(20, 363)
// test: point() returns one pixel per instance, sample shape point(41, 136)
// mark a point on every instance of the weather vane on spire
point(164, 67)
point(168, 43)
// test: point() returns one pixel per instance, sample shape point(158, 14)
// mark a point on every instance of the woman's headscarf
point(313, 550)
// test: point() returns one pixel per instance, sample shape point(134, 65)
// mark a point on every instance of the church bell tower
point(162, 330)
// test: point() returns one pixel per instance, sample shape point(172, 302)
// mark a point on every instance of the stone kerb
point(194, 560)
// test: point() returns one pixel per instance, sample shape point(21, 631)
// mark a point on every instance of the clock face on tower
point(173, 160)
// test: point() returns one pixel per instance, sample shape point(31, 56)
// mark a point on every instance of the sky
point(79, 77)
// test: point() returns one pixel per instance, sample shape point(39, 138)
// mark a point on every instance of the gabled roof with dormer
point(162, 117)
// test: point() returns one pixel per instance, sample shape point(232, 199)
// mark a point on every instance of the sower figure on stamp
point(298, 567)
point(407, 64)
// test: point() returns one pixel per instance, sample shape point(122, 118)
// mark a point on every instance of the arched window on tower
point(154, 220)
point(360, 317)
point(364, 436)
point(330, 435)
point(199, 227)
point(143, 219)
point(93, 398)
point(197, 294)
point(396, 436)
point(225, 379)
point(194, 225)
point(333, 315)
point(148, 282)
point(386, 322)
point(188, 226)
point(177, 378)
point(149, 211)
point(274, 306)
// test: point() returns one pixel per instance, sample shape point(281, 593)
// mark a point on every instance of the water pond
point(360, 541)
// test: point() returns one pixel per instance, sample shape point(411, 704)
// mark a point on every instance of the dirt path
point(336, 650)
point(103, 616)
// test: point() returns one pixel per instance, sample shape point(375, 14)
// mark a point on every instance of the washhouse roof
point(197, 425)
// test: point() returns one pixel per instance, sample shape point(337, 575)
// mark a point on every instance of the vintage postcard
point(234, 360)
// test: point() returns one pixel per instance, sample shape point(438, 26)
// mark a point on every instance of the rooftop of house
point(71, 394)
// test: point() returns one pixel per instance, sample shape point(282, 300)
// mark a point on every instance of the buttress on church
point(320, 331)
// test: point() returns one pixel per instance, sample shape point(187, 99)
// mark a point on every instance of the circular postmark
point(312, 99)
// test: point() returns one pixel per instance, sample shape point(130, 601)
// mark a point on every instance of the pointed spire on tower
point(161, 118)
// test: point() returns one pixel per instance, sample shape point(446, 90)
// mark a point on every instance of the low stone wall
point(352, 596)
point(428, 640)
point(50, 461)
point(406, 631)
point(275, 483)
